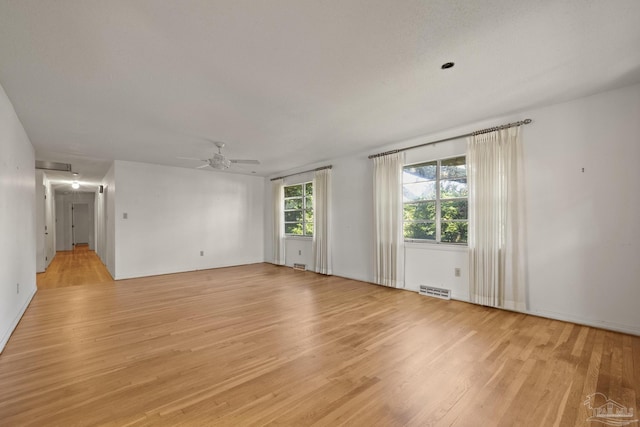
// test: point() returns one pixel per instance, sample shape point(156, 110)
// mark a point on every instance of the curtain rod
point(300, 173)
point(478, 132)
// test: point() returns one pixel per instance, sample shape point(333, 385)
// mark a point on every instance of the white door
point(80, 223)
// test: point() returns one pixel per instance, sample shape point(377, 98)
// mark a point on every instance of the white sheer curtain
point(496, 226)
point(322, 221)
point(277, 198)
point(388, 237)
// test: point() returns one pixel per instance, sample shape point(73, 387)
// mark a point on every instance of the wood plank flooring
point(80, 266)
point(267, 345)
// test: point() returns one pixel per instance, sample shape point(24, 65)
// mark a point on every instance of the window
point(298, 209)
point(435, 201)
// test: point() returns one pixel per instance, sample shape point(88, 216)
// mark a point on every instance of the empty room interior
point(389, 213)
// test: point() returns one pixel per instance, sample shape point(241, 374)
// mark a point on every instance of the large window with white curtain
point(435, 201)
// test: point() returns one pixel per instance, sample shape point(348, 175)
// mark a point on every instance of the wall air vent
point(430, 291)
point(301, 267)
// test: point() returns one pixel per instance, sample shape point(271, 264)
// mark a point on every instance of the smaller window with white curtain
point(298, 210)
point(435, 201)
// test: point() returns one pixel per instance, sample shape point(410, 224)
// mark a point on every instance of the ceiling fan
point(219, 161)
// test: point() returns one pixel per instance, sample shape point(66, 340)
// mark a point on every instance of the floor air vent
point(301, 267)
point(430, 291)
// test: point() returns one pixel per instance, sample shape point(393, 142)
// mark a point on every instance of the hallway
point(73, 268)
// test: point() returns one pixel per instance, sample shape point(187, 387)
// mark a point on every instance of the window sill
point(436, 246)
point(298, 237)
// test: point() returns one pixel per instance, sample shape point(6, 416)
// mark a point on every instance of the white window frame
point(304, 208)
point(438, 200)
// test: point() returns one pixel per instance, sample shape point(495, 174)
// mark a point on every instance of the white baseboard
point(12, 327)
point(161, 271)
point(357, 279)
point(601, 324)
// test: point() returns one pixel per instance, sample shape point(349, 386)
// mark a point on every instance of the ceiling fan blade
point(246, 162)
point(192, 158)
point(203, 166)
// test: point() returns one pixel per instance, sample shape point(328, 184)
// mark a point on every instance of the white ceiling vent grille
point(430, 291)
point(53, 166)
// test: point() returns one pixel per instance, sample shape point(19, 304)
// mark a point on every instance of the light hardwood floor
point(80, 266)
point(261, 344)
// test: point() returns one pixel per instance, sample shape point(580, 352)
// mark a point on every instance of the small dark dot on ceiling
point(447, 65)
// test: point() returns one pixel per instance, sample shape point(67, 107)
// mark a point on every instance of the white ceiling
point(292, 82)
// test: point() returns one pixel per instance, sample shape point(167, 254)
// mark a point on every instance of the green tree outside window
point(435, 198)
point(298, 209)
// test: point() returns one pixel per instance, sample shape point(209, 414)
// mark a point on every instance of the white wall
point(583, 229)
point(583, 232)
point(100, 221)
point(49, 222)
point(352, 182)
point(59, 226)
point(45, 222)
point(174, 213)
point(17, 220)
point(105, 203)
point(64, 201)
point(40, 221)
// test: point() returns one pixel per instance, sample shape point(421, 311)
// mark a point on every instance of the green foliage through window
point(298, 209)
point(435, 201)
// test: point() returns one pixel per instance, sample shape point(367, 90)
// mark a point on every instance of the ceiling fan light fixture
point(218, 161)
point(75, 185)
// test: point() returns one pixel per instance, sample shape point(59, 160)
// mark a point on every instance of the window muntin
point(298, 209)
point(435, 198)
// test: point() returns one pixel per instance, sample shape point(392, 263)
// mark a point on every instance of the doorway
point(75, 220)
point(80, 224)
point(76, 262)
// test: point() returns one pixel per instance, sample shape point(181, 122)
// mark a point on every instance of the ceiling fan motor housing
point(218, 161)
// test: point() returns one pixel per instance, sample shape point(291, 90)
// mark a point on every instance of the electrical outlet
point(125, 215)
point(456, 272)
point(201, 253)
point(299, 252)
point(17, 288)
